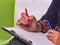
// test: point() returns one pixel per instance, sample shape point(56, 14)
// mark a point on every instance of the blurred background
point(35, 7)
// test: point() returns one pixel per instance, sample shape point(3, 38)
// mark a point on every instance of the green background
point(6, 13)
point(6, 18)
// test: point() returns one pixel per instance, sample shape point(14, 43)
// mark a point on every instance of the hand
point(32, 25)
point(58, 39)
point(53, 35)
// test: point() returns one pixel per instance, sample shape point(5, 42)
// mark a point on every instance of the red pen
point(27, 14)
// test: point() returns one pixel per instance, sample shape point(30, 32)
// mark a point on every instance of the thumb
point(32, 18)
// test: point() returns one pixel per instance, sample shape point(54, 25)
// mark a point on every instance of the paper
point(37, 38)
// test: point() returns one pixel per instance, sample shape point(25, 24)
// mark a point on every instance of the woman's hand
point(53, 35)
point(58, 39)
point(32, 25)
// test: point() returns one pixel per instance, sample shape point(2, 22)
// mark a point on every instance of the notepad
point(35, 38)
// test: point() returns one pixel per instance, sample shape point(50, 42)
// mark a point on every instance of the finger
point(50, 38)
point(18, 22)
point(24, 16)
point(24, 27)
point(50, 35)
point(32, 17)
point(21, 22)
point(24, 20)
point(32, 20)
point(51, 31)
point(53, 39)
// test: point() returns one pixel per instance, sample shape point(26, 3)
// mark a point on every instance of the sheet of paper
point(37, 38)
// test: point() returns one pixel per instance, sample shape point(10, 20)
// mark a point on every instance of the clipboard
point(29, 38)
point(19, 37)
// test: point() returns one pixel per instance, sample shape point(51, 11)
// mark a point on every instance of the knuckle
point(33, 17)
point(22, 13)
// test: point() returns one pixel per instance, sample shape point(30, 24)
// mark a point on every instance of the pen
point(49, 24)
point(46, 25)
point(27, 14)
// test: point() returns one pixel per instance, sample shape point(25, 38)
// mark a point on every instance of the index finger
point(24, 15)
point(51, 31)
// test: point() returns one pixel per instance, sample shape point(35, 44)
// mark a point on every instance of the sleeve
point(51, 14)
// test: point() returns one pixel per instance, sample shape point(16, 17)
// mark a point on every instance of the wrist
point(39, 27)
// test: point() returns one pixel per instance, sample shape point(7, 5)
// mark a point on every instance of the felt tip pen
point(27, 14)
point(49, 25)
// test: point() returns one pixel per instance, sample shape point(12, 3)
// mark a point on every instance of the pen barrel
point(27, 14)
point(49, 25)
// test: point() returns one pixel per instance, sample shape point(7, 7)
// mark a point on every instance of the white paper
point(37, 38)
